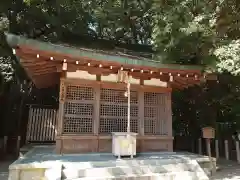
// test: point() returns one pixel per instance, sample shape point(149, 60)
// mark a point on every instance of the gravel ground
point(4, 169)
point(3, 175)
point(229, 170)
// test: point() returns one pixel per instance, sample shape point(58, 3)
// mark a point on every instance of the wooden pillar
point(141, 109)
point(141, 112)
point(169, 114)
point(169, 120)
point(61, 107)
point(140, 118)
point(96, 110)
point(62, 96)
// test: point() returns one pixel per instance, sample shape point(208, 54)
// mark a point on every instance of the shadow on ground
point(229, 170)
point(4, 169)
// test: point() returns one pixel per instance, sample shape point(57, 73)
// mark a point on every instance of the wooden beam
point(185, 82)
point(41, 82)
point(43, 66)
point(165, 78)
point(57, 56)
point(140, 76)
point(37, 64)
point(29, 57)
point(175, 85)
point(30, 60)
point(84, 60)
point(90, 70)
point(188, 81)
point(40, 71)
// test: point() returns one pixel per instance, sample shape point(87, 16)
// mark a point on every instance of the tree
point(201, 32)
point(183, 31)
point(190, 32)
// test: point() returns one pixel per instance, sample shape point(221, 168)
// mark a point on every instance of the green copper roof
point(14, 41)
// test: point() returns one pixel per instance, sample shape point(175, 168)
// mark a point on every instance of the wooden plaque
point(208, 132)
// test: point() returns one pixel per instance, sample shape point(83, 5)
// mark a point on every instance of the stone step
point(133, 170)
point(184, 175)
point(123, 162)
point(121, 171)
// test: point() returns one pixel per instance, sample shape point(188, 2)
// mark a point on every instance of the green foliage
point(183, 31)
point(190, 32)
point(212, 104)
point(229, 57)
point(119, 20)
point(6, 66)
point(201, 32)
point(124, 21)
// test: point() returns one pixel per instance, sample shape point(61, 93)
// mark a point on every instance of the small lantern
point(64, 68)
point(208, 132)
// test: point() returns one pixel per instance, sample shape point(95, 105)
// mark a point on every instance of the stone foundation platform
point(42, 163)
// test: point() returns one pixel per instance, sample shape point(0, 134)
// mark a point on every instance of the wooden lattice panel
point(155, 115)
point(78, 110)
point(80, 93)
point(108, 125)
point(118, 110)
point(152, 98)
point(117, 96)
point(78, 125)
point(113, 111)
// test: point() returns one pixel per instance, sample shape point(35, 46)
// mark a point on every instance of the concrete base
point(42, 163)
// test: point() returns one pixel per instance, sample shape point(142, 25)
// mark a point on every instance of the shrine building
point(92, 104)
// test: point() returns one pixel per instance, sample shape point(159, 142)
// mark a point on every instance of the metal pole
point(128, 93)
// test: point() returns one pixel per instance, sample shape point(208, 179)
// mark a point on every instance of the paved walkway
point(229, 170)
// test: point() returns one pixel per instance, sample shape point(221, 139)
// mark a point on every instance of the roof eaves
point(15, 41)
